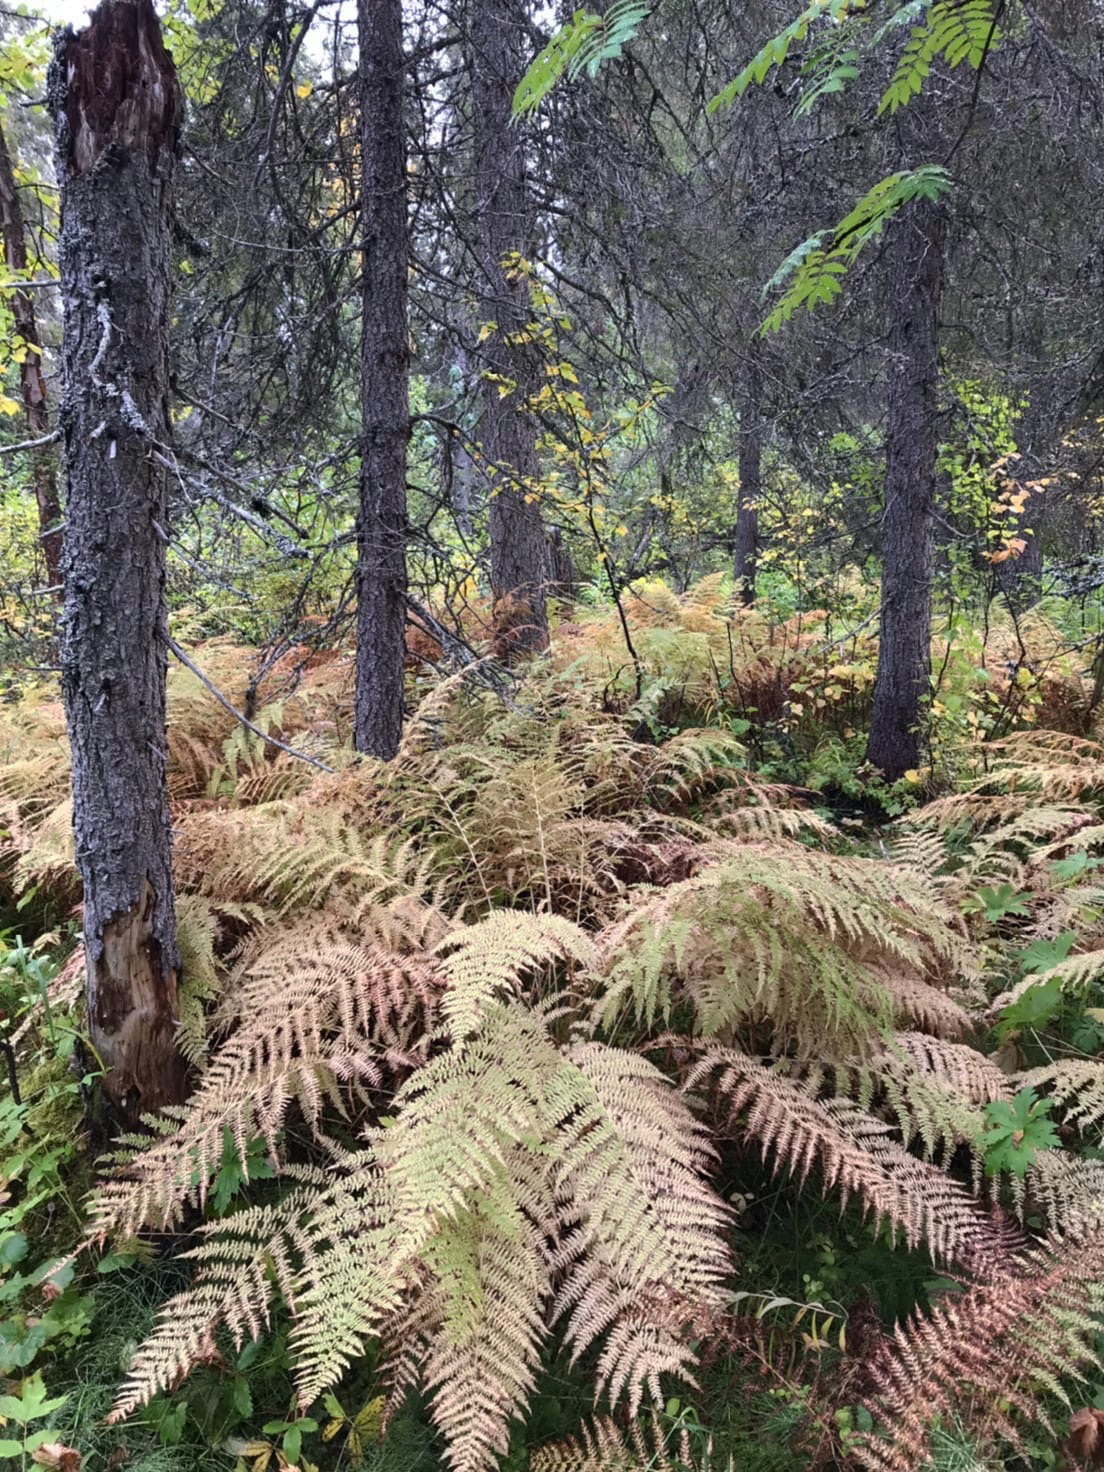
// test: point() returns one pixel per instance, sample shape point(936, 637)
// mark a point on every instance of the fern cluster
point(508, 1016)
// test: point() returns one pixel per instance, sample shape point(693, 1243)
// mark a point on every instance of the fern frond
point(478, 1360)
point(801, 939)
point(504, 1155)
point(1077, 1087)
point(645, 1447)
point(985, 1356)
point(915, 1001)
point(1073, 974)
point(857, 1156)
point(244, 1261)
point(201, 977)
point(963, 1070)
point(934, 1093)
point(1066, 1192)
point(485, 960)
point(316, 1019)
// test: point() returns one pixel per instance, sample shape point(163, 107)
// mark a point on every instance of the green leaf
point(582, 43)
point(1019, 1132)
point(293, 1444)
point(815, 269)
point(1034, 1008)
point(776, 50)
point(1044, 955)
point(1075, 864)
point(997, 902)
point(32, 1402)
point(956, 30)
point(13, 1249)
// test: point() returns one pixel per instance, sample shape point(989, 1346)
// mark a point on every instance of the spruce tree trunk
point(505, 223)
point(384, 400)
point(33, 384)
point(746, 541)
point(116, 106)
point(914, 266)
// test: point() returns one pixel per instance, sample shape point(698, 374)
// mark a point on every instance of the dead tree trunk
point(33, 384)
point(914, 265)
point(746, 540)
point(384, 401)
point(519, 568)
point(116, 106)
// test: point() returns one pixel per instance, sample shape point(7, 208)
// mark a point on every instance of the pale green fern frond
point(1071, 975)
point(779, 933)
point(483, 961)
point(1077, 1087)
point(201, 976)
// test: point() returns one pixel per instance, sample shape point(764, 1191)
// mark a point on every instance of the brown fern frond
point(314, 1020)
point(647, 1446)
point(857, 1156)
point(963, 1070)
point(917, 1002)
point(297, 856)
point(1063, 1191)
point(46, 861)
point(986, 1355)
point(244, 1261)
point(934, 1093)
point(478, 1352)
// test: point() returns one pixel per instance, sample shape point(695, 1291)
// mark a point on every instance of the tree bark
point(1020, 578)
point(746, 540)
point(32, 382)
point(914, 263)
point(384, 393)
point(505, 224)
point(116, 106)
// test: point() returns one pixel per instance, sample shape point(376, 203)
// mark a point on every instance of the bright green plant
point(1019, 1130)
point(18, 1411)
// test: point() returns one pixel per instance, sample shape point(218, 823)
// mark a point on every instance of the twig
point(13, 1077)
point(175, 649)
point(990, 38)
point(46, 439)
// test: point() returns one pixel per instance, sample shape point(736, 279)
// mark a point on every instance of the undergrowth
point(572, 1091)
